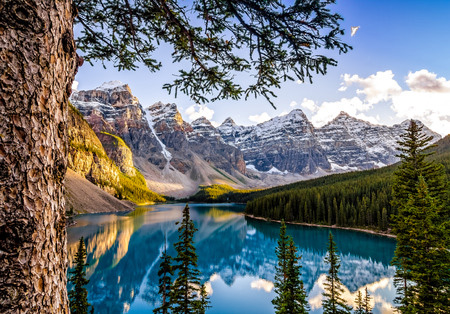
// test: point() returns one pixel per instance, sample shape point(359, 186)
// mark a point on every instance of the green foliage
point(357, 199)
point(78, 295)
point(134, 188)
point(291, 296)
point(185, 289)
point(165, 273)
point(422, 255)
point(118, 141)
point(366, 302)
point(359, 304)
point(414, 148)
point(218, 193)
point(271, 41)
point(333, 302)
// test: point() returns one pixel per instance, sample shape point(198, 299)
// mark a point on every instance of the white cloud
point(299, 82)
point(376, 87)
point(259, 118)
point(355, 107)
point(262, 284)
point(428, 100)
point(283, 113)
point(424, 81)
point(293, 104)
point(198, 111)
point(309, 104)
point(432, 108)
point(75, 85)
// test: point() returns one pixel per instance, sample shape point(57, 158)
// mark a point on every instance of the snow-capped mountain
point(286, 143)
point(291, 143)
point(351, 143)
point(176, 156)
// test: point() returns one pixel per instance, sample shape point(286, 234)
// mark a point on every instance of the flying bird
point(354, 29)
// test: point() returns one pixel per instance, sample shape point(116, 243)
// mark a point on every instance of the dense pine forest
point(359, 199)
point(355, 199)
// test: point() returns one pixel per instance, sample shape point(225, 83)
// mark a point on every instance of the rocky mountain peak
point(228, 121)
point(114, 86)
point(166, 113)
point(113, 93)
point(203, 127)
point(296, 114)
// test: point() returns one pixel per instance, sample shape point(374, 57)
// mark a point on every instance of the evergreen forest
point(356, 199)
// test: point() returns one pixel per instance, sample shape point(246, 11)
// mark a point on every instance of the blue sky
point(399, 68)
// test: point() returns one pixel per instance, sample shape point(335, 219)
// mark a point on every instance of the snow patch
point(111, 85)
point(336, 167)
point(273, 170)
point(164, 151)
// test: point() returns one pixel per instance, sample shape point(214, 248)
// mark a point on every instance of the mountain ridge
point(170, 151)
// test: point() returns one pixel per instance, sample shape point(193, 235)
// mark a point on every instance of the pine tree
point(202, 303)
point(366, 302)
point(333, 302)
point(414, 148)
point(359, 304)
point(428, 265)
point(296, 301)
point(406, 190)
point(291, 296)
point(165, 274)
point(185, 291)
point(281, 271)
point(78, 295)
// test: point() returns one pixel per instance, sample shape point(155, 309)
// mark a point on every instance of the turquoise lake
point(236, 257)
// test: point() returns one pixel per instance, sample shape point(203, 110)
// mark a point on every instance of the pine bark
point(37, 66)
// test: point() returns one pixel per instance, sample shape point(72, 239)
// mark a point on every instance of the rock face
point(112, 108)
point(353, 144)
point(286, 143)
point(119, 152)
point(109, 165)
point(87, 156)
point(185, 140)
point(176, 156)
point(291, 143)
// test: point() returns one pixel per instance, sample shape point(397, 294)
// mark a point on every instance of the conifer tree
point(333, 302)
point(359, 304)
point(165, 274)
point(428, 264)
point(202, 303)
point(281, 271)
point(366, 302)
point(296, 301)
point(291, 296)
point(414, 148)
point(406, 190)
point(185, 291)
point(78, 295)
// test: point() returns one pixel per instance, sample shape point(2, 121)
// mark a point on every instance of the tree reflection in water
point(236, 259)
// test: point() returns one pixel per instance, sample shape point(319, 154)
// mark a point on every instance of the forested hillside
point(359, 199)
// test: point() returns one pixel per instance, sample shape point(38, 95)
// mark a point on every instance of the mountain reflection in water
point(236, 257)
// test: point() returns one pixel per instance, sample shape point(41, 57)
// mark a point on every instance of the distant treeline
point(355, 199)
point(358, 199)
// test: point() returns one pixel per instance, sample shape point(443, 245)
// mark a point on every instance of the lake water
point(236, 257)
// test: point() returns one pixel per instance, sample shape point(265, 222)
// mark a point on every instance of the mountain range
point(175, 156)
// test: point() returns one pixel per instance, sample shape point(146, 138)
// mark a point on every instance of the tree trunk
point(37, 66)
